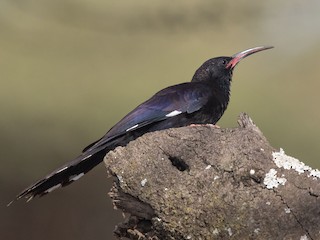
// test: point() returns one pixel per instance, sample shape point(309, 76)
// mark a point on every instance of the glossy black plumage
point(201, 101)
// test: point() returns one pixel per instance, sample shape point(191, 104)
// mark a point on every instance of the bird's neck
point(220, 83)
point(221, 87)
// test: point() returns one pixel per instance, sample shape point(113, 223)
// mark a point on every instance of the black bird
point(201, 101)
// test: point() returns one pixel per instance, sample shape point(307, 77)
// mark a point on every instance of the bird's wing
point(169, 102)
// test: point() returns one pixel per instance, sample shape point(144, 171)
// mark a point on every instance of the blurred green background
point(69, 70)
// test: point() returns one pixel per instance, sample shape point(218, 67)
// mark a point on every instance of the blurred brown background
point(69, 70)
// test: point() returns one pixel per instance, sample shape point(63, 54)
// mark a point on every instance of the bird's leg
point(208, 125)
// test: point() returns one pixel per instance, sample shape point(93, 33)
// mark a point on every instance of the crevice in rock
point(294, 215)
point(179, 163)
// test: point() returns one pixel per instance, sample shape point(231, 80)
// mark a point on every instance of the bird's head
point(219, 70)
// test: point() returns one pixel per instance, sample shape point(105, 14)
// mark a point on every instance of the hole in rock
point(179, 163)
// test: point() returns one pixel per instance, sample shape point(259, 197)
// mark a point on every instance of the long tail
point(64, 175)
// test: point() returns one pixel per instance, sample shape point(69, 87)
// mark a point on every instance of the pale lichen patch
point(215, 178)
point(229, 231)
point(143, 182)
point(304, 237)
point(272, 181)
point(287, 162)
point(208, 167)
point(215, 231)
point(287, 210)
point(120, 178)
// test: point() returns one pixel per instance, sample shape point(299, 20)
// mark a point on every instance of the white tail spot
point(75, 177)
point(53, 188)
point(62, 169)
point(30, 198)
point(173, 113)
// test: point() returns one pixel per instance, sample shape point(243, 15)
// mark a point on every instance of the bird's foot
point(208, 125)
point(213, 126)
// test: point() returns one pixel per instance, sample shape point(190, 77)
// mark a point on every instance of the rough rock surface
point(201, 182)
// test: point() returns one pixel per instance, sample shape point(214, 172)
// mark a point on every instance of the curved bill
point(236, 58)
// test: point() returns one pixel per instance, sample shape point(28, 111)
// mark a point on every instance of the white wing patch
point(173, 113)
point(75, 177)
point(131, 128)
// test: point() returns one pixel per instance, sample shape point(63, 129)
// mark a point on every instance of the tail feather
point(75, 169)
point(64, 175)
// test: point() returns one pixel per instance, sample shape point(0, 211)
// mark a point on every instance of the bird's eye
point(224, 62)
